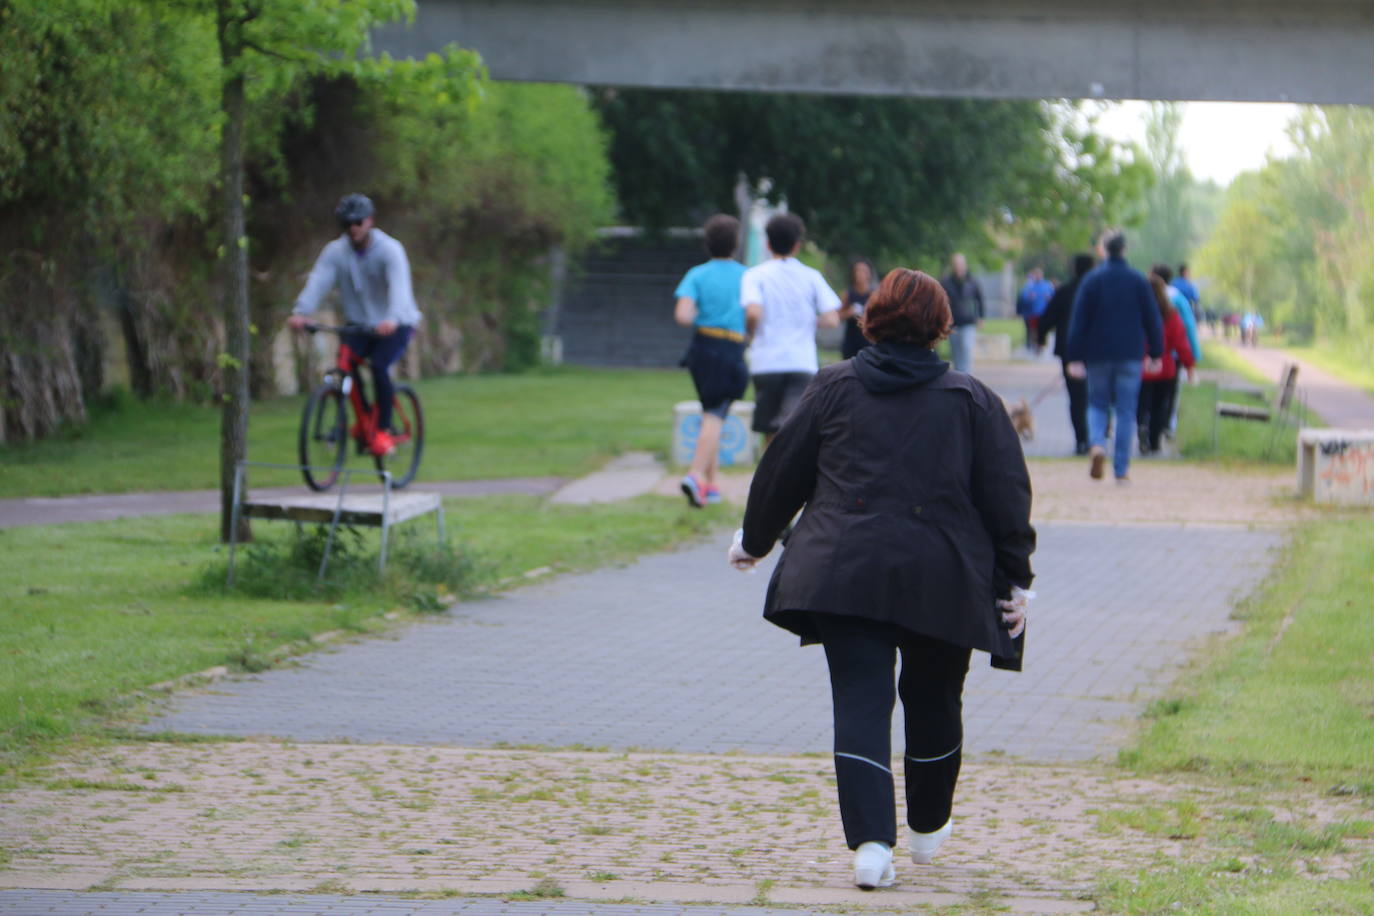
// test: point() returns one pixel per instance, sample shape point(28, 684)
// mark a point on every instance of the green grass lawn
point(1280, 714)
point(1203, 435)
point(560, 422)
point(91, 613)
point(1293, 697)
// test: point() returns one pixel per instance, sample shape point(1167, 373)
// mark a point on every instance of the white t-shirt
point(792, 295)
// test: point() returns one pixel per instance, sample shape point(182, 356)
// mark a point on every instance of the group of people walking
point(898, 486)
point(1125, 341)
point(760, 324)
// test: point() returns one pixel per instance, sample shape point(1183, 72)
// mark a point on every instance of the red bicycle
point(325, 430)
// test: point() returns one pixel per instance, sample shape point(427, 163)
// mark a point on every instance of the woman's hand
point(1014, 610)
point(736, 555)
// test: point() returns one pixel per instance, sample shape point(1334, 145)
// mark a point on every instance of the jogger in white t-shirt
point(784, 302)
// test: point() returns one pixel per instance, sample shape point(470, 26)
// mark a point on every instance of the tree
point(1166, 232)
point(1295, 240)
point(275, 41)
point(1082, 182)
point(907, 179)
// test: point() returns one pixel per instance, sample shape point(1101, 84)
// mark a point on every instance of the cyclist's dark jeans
point(381, 352)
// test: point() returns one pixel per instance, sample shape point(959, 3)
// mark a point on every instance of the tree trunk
point(233, 437)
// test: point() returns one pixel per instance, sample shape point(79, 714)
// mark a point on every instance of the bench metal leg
point(333, 528)
point(386, 521)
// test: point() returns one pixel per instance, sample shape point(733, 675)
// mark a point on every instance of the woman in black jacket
point(916, 537)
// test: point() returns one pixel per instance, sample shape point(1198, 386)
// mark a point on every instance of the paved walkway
point(106, 506)
point(670, 653)
point(59, 903)
point(1339, 403)
point(641, 733)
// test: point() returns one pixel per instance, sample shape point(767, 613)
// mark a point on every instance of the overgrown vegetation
point(422, 573)
point(112, 236)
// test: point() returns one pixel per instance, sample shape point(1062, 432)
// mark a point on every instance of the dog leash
point(1047, 390)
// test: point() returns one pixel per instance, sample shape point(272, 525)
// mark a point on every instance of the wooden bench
point(378, 510)
point(1283, 400)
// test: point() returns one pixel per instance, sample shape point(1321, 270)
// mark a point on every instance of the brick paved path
point(667, 654)
point(670, 653)
point(65, 903)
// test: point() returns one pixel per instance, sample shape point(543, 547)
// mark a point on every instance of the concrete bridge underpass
point(1239, 50)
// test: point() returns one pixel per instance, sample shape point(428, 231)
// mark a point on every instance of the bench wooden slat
point(1243, 411)
point(357, 510)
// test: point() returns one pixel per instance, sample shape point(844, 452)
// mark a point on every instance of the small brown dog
point(1022, 419)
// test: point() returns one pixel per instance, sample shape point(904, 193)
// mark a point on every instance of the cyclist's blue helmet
point(353, 209)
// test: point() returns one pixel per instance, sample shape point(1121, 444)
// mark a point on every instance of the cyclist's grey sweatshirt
point(374, 286)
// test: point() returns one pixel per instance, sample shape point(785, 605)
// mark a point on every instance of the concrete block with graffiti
point(1337, 466)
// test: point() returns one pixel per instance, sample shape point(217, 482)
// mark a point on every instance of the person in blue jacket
point(1184, 306)
point(1031, 303)
point(1115, 326)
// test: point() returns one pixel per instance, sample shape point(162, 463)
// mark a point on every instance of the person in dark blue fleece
point(1115, 326)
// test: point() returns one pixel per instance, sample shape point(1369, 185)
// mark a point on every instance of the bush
point(420, 574)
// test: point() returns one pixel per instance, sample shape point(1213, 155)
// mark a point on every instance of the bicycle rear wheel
point(323, 437)
point(408, 431)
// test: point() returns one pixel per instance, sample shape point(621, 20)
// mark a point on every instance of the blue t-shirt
point(714, 287)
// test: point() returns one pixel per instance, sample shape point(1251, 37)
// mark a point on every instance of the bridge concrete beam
point(1234, 50)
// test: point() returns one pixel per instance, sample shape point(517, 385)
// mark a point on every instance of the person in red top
point(1158, 389)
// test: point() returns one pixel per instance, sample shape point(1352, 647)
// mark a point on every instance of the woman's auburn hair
point(908, 307)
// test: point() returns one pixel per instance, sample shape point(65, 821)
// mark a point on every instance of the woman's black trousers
point(862, 658)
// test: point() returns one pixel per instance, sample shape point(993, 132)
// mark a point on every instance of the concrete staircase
point(617, 305)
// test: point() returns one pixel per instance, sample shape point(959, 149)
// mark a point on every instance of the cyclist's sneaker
point(712, 494)
point(692, 489)
point(383, 444)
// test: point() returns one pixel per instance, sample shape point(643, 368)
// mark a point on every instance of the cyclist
point(372, 274)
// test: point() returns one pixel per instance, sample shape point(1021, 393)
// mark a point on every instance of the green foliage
point(484, 195)
point(112, 113)
point(105, 107)
point(899, 179)
point(1178, 212)
point(421, 574)
point(1295, 240)
point(1078, 183)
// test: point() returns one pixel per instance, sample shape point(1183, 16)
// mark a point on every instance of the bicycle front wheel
point(323, 437)
point(408, 432)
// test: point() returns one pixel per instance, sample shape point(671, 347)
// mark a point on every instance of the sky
point(1219, 139)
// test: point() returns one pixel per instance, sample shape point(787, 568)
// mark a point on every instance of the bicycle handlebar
point(312, 328)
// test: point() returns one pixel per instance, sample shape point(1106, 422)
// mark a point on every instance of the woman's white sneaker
point(924, 845)
point(873, 865)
